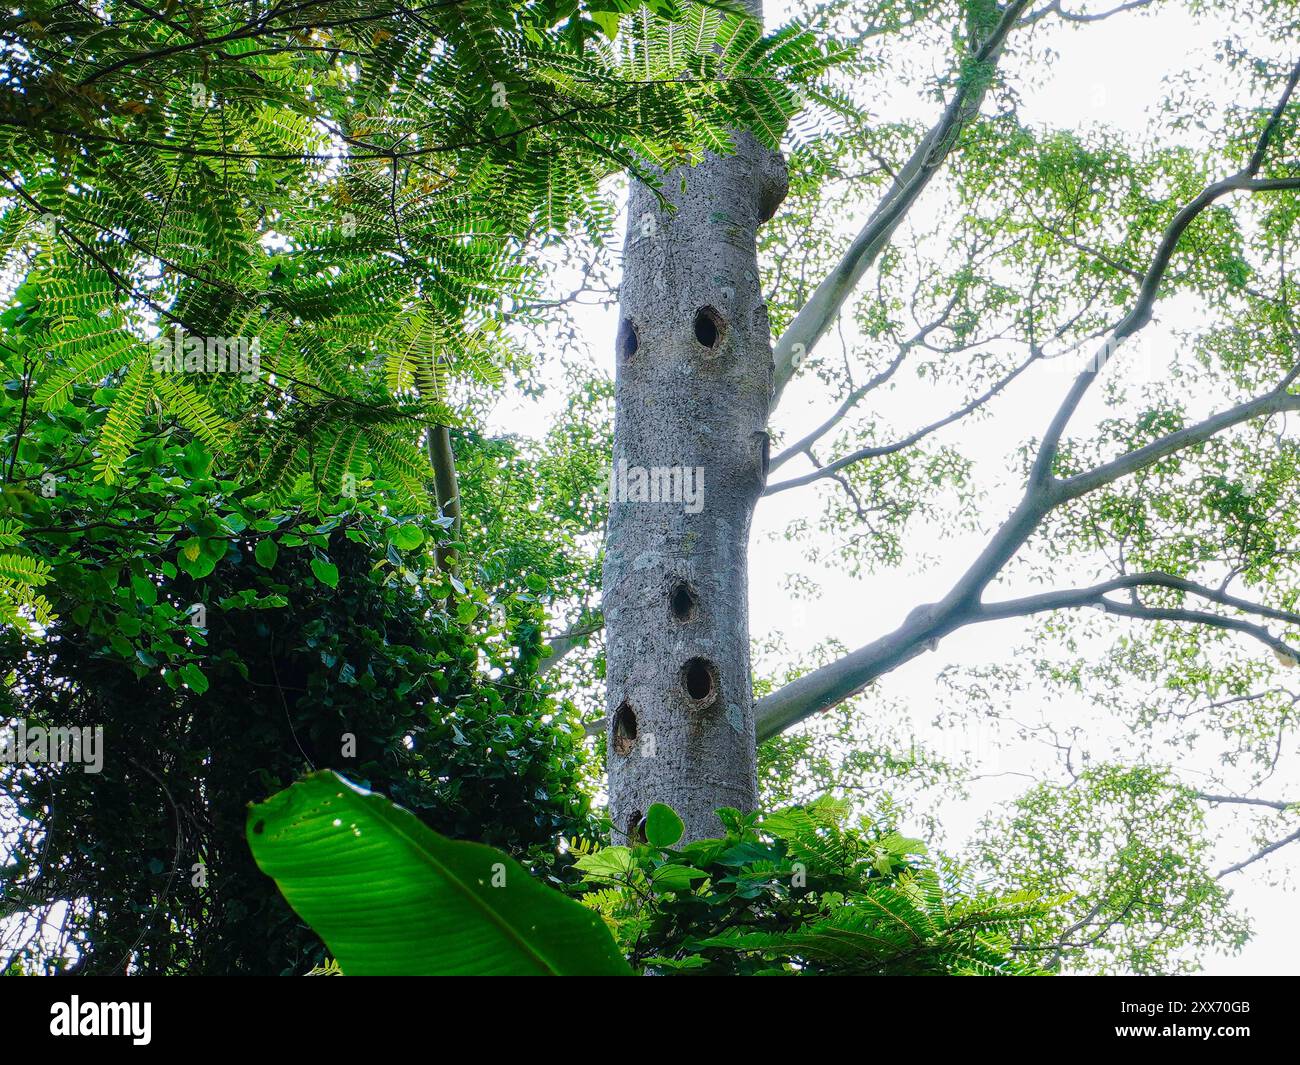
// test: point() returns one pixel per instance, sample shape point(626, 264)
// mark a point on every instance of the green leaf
point(266, 552)
point(194, 560)
point(609, 863)
point(326, 572)
point(663, 827)
point(406, 537)
point(389, 896)
point(145, 590)
point(607, 21)
point(193, 676)
point(675, 877)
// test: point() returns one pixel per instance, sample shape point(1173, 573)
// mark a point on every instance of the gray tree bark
point(693, 391)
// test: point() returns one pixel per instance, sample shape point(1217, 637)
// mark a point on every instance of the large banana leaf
point(389, 896)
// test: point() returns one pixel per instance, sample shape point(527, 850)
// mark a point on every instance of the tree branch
point(562, 644)
point(881, 450)
point(804, 444)
point(1055, 8)
point(1264, 853)
point(1074, 597)
point(1272, 804)
point(1201, 617)
point(1273, 402)
point(840, 680)
point(924, 627)
point(816, 316)
point(837, 681)
point(1140, 313)
point(443, 461)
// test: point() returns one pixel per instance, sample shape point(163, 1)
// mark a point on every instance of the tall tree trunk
point(694, 385)
point(446, 486)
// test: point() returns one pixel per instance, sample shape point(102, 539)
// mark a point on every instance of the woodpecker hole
point(700, 682)
point(624, 739)
point(682, 601)
point(708, 327)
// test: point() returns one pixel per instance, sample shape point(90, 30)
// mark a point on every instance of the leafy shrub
point(322, 619)
point(799, 892)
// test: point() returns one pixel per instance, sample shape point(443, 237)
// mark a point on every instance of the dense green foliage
point(793, 893)
point(226, 645)
point(1128, 849)
point(326, 213)
point(801, 892)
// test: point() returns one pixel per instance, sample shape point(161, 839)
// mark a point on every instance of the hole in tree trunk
point(682, 601)
point(700, 682)
point(708, 327)
point(628, 339)
point(624, 737)
point(635, 828)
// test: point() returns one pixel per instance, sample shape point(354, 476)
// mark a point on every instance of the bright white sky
point(1108, 73)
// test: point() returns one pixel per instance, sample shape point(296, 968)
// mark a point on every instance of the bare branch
point(1246, 800)
point(842, 679)
point(1093, 595)
point(805, 443)
point(816, 316)
point(881, 450)
point(1264, 853)
point(1055, 8)
point(559, 646)
point(1273, 402)
point(924, 627)
point(1201, 617)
